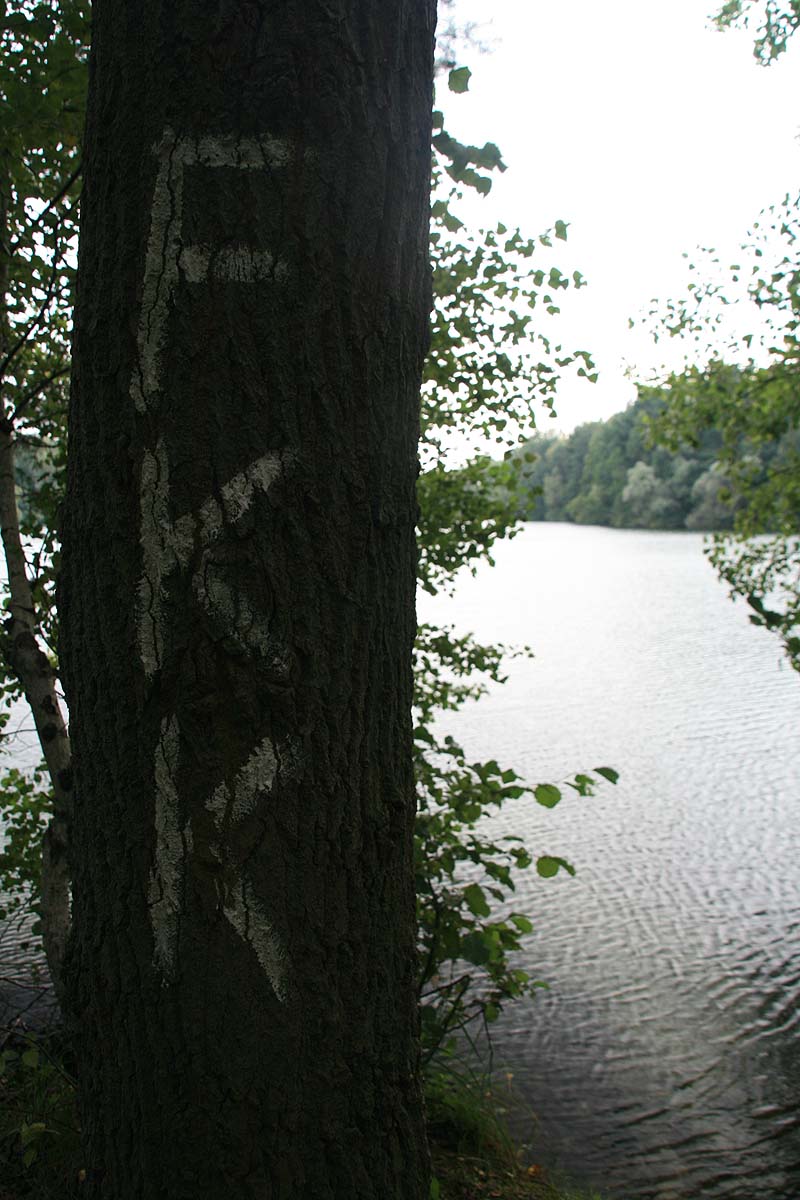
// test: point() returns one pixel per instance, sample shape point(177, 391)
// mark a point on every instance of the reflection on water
point(26, 993)
point(665, 1061)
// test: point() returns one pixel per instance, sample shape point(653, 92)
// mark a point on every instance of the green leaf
point(458, 79)
point(548, 866)
point(475, 949)
point(476, 900)
point(561, 230)
point(547, 794)
point(488, 156)
point(523, 924)
point(583, 785)
point(608, 773)
point(28, 1133)
point(436, 1191)
point(31, 1057)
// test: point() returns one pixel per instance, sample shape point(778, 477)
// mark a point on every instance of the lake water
point(664, 1063)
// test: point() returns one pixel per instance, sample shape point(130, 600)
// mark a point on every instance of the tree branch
point(59, 196)
point(34, 392)
point(34, 324)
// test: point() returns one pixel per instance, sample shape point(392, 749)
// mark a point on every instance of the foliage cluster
point(43, 50)
point(756, 414)
point(465, 877)
point(775, 20)
point(488, 371)
point(613, 473)
point(746, 396)
point(744, 393)
point(39, 1133)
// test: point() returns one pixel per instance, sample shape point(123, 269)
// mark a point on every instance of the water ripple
point(664, 1064)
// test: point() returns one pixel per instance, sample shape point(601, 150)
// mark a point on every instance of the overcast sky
point(645, 129)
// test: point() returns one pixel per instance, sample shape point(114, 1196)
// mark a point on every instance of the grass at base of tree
point(474, 1155)
point(479, 1177)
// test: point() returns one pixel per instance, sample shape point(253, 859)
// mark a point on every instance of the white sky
point(645, 129)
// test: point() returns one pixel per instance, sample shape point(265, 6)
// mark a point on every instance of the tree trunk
point(22, 650)
point(237, 598)
point(35, 672)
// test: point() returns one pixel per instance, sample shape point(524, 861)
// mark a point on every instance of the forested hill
point(609, 473)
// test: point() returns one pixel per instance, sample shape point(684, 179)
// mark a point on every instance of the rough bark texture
point(237, 598)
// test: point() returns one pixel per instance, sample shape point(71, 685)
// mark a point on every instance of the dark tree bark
point(237, 598)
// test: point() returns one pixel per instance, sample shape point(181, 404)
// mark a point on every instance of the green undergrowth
point(474, 1154)
point(40, 1153)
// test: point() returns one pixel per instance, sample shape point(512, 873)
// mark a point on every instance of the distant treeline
point(609, 473)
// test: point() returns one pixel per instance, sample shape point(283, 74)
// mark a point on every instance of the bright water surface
point(664, 1063)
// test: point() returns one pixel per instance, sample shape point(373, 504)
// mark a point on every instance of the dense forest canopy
point(613, 473)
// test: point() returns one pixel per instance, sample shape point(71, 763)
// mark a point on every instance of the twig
point(34, 392)
point(33, 325)
point(59, 196)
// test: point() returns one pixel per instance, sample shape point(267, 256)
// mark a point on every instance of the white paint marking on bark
point(184, 539)
point(255, 778)
point(249, 918)
point(168, 545)
point(210, 521)
point(160, 271)
point(166, 255)
point(159, 555)
point(236, 264)
point(238, 493)
point(164, 547)
point(229, 151)
point(217, 804)
point(241, 906)
point(173, 843)
point(194, 263)
point(233, 613)
point(148, 594)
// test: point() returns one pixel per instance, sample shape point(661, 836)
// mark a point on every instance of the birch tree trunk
point(237, 598)
point(22, 649)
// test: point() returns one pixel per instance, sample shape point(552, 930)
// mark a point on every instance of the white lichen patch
point(173, 843)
